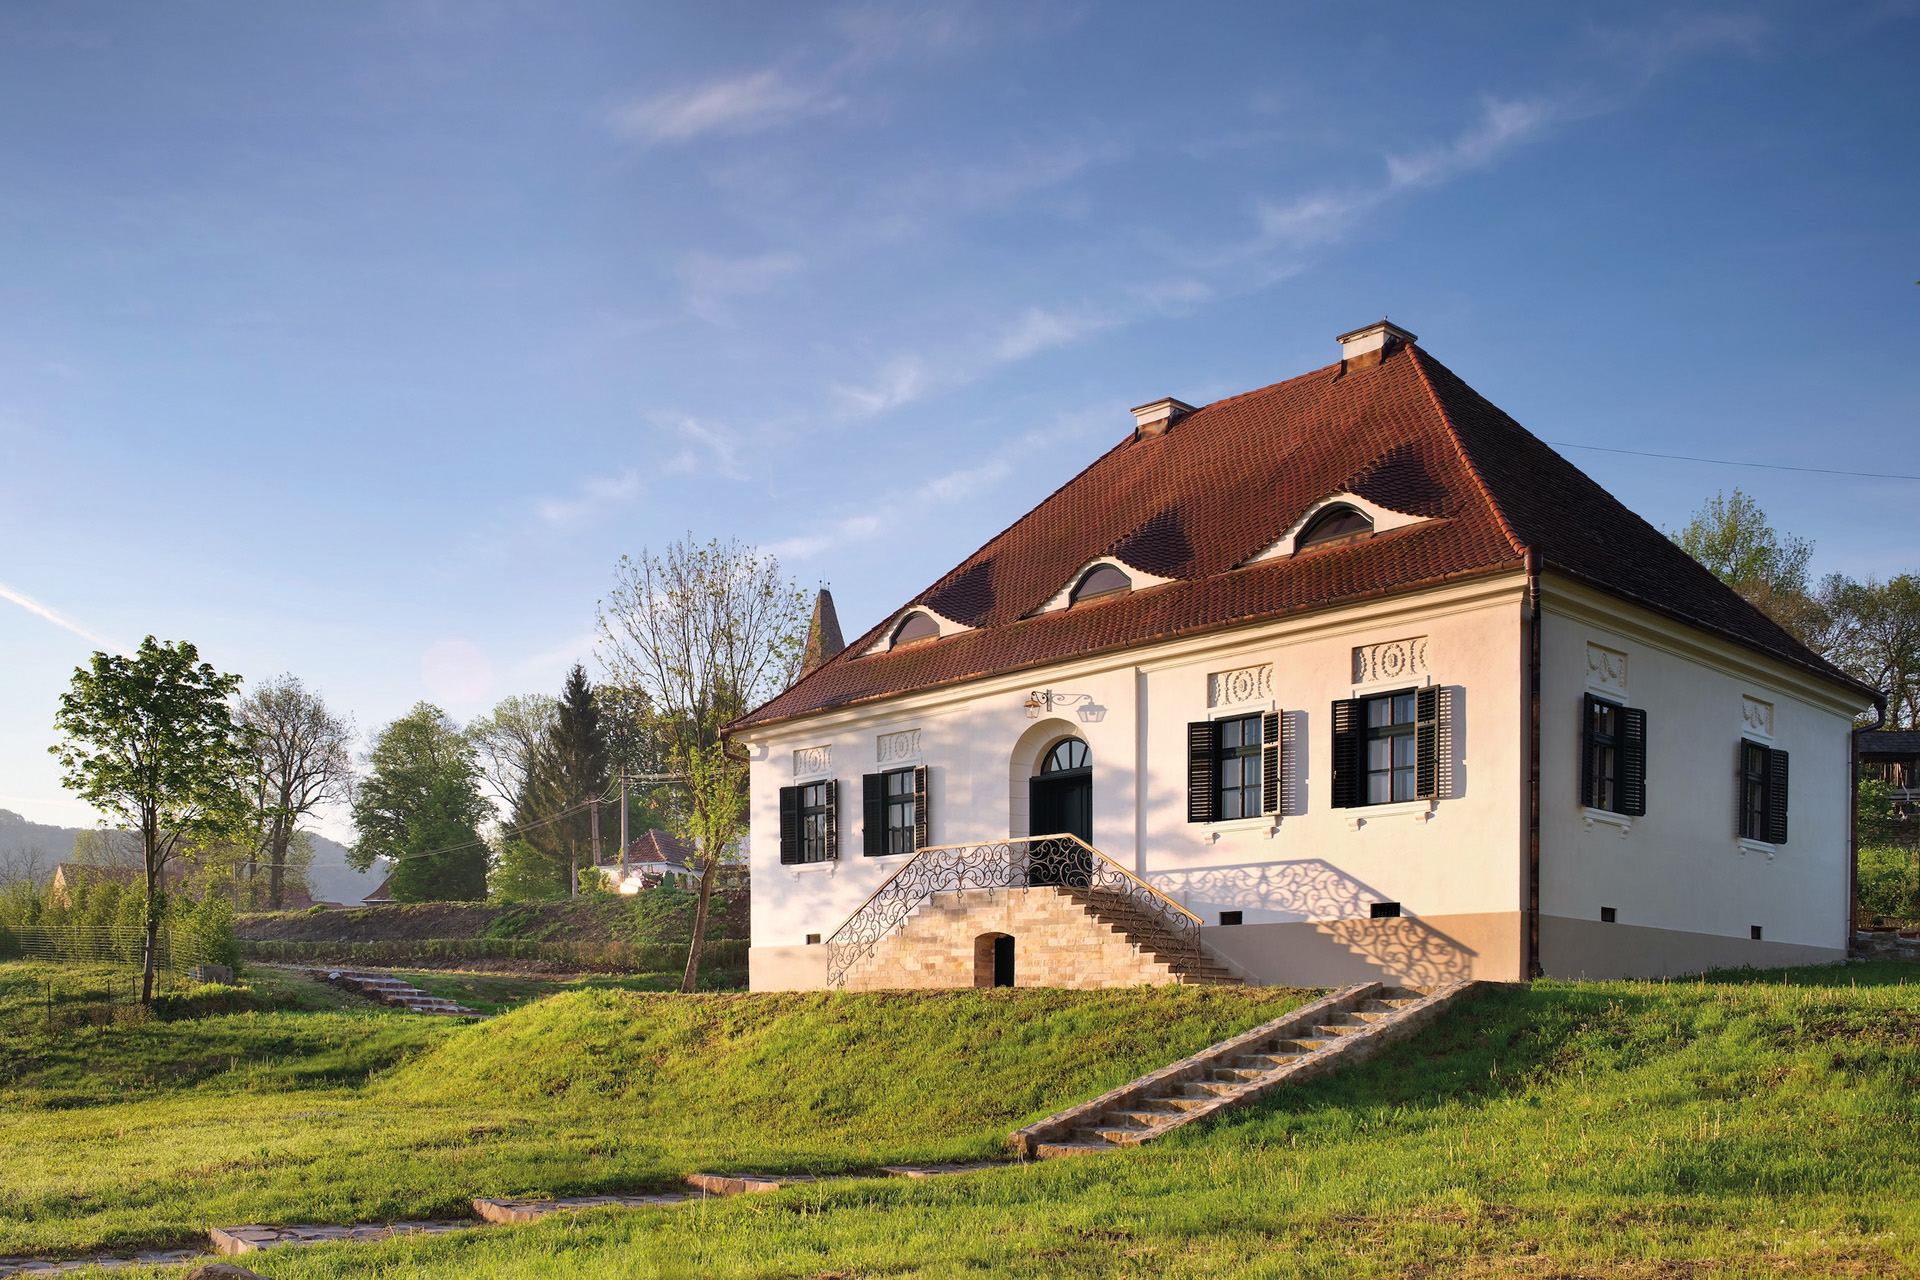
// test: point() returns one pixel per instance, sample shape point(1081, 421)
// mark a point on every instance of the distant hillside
point(32, 848)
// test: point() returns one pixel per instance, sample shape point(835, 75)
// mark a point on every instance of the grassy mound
point(375, 1116)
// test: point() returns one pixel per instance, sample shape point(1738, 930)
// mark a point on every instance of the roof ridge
point(1460, 447)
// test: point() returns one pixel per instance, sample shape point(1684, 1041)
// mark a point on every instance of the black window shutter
point(1633, 762)
point(1776, 797)
point(920, 840)
point(833, 819)
point(1587, 702)
point(1203, 780)
point(789, 824)
point(1270, 763)
point(874, 807)
point(1348, 744)
point(1426, 743)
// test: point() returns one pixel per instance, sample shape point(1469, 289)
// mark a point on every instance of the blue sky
point(360, 340)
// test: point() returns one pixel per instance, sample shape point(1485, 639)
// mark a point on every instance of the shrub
point(1887, 883)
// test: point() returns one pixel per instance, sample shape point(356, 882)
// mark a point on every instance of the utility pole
point(594, 806)
point(623, 826)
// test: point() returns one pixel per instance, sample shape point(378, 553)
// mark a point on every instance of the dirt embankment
point(646, 918)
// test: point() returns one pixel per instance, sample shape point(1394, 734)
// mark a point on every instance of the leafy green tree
point(303, 763)
point(421, 807)
point(1875, 636)
point(150, 740)
point(506, 739)
point(1732, 538)
point(566, 773)
point(694, 639)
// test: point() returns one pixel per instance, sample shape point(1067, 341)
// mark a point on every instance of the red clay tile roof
point(1228, 480)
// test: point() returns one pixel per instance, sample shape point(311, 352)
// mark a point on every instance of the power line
point(1730, 462)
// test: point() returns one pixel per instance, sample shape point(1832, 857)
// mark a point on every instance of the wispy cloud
point(747, 103)
point(594, 495)
point(804, 546)
point(1040, 329)
point(703, 443)
point(903, 379)
point(713, 281)
point(1502, 124)
point(33, 606)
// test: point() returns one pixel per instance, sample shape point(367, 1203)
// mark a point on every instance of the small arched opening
point(1336, 526)
point(993, 960)
point(915, 628)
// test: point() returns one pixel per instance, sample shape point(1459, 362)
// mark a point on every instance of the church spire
point(823, 634)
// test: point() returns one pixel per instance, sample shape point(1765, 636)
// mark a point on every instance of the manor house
point(1346, 678)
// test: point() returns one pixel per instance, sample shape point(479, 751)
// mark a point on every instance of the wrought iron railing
point(1020, 862)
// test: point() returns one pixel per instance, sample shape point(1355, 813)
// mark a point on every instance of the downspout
point(1533, 763)
point(1853, 819)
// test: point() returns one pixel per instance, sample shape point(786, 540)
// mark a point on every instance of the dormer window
point(1338, 525)
point(915, 628)
point(1102, 583)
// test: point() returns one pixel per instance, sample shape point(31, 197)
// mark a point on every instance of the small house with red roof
point(1347, 678)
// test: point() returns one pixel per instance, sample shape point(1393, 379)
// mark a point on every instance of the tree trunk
point(709, 864)
point(277, 873)
point(147, 958)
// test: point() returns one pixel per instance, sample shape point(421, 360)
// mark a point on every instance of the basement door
point(1060, 801)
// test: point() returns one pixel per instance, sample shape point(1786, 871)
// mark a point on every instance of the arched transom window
point(1337, 525)
point(1067, 754)
point(1102, 582)
point(915, 628)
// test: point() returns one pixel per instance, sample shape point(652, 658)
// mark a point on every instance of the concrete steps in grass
point(388, 989)
point(1348, 1026)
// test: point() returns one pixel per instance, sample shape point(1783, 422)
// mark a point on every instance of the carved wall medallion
point(812, 761)
point(1394, 660)
point(1248, 684)
point(891, 748)
point(1756, 716)
point(1606, 669)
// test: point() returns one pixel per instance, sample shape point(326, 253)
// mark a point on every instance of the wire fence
point(175, 950)
point(616, 957)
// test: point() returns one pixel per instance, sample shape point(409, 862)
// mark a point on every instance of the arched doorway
point(1060, 801)
point(993, 960)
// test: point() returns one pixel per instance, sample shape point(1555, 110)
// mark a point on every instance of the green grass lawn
point(501, 992)
point(149, 1133)
point(1753, 1125)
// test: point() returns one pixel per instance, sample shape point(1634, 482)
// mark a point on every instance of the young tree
point(565, 774)
point(421, 806)
point(302, 752)
point(506, 739)
point(1732, 538)
point(697, 637)
point(150, 740)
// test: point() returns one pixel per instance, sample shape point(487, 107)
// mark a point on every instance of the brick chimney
point(1368, 346)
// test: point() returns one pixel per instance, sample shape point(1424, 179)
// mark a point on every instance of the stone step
point(1057, 1150)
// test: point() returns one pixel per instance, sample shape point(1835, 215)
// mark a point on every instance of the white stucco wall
point(1680, 867)
point(1314, 863)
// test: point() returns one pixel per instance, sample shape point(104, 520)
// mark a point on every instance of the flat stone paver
point(105, 1261)
point(234, 1241)
point(738, 1184)
point(504, 1212)
point(942, 1170)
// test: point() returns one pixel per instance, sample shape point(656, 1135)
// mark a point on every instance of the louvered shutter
point(873, 807)
point(920, 817)
point(1587, 751)
point(1426, 743)
point(1633, 762)
point(1348, 716)
point(1203, 780)
point(1776, 797)
point(1270, 762)
point(789, 824)
point(832, 852)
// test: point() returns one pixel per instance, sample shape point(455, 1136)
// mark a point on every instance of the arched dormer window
point(915, 628)
point(1338, 525)
point(1101, 583)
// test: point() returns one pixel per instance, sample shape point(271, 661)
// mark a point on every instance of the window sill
point(1418, 810)
point(1607, 817)
point(1747, 846)
point(1267, 823)
point(829, 866)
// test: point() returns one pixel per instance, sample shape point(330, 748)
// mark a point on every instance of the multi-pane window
point(1390, 748)
point(1240, 767)
point(1603, 754)
point(902, 816)
point(1761, 776)
point(813, 822)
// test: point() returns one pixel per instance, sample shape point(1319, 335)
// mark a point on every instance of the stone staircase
point(1346, 1027)
point(1150, 937)
point(388, 989)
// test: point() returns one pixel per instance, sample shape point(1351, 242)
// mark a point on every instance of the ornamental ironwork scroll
point(1066, 862)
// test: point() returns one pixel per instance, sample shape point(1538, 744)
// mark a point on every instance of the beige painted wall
point(1591, 950)
point(1421, 951)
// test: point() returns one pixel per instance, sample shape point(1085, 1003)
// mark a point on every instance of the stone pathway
point(105, 1261)
point(507, 1212)
point(388, 989)
point(234, 1241)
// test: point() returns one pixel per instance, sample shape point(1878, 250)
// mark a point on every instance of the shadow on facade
point(1327, 903)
